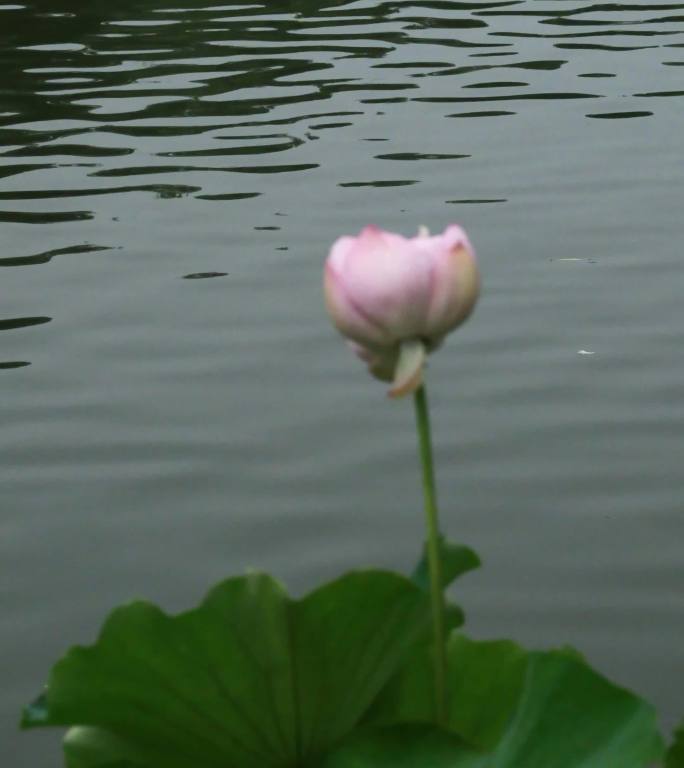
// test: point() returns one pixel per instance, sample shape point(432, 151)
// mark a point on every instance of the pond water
point(175, 405)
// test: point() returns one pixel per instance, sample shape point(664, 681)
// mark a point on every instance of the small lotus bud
point(396, 298)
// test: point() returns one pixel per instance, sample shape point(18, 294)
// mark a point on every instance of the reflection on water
point(159, 431)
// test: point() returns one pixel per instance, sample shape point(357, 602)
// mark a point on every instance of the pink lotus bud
point(396, 298)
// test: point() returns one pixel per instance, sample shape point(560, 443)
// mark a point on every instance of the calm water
point(175, 406)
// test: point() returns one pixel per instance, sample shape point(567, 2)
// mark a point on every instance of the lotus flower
point(395, 298)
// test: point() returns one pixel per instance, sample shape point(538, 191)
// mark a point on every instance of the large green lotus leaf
point(526, 709)
point(675, 754)
point(249, 679)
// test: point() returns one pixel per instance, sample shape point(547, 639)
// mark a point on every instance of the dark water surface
point(175, 406)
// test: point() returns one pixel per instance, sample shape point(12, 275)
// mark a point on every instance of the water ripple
point(9, 324)
point(44, 217)
point(47, 256)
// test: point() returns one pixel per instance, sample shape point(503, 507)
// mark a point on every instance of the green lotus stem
point(434, 557)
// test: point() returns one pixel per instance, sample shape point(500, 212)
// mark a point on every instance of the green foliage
point(405, 746)
point(86, 746)
point(675, 754)
point(525, 709)
point(457, 559)
point(251, 678)
point(339, 679)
